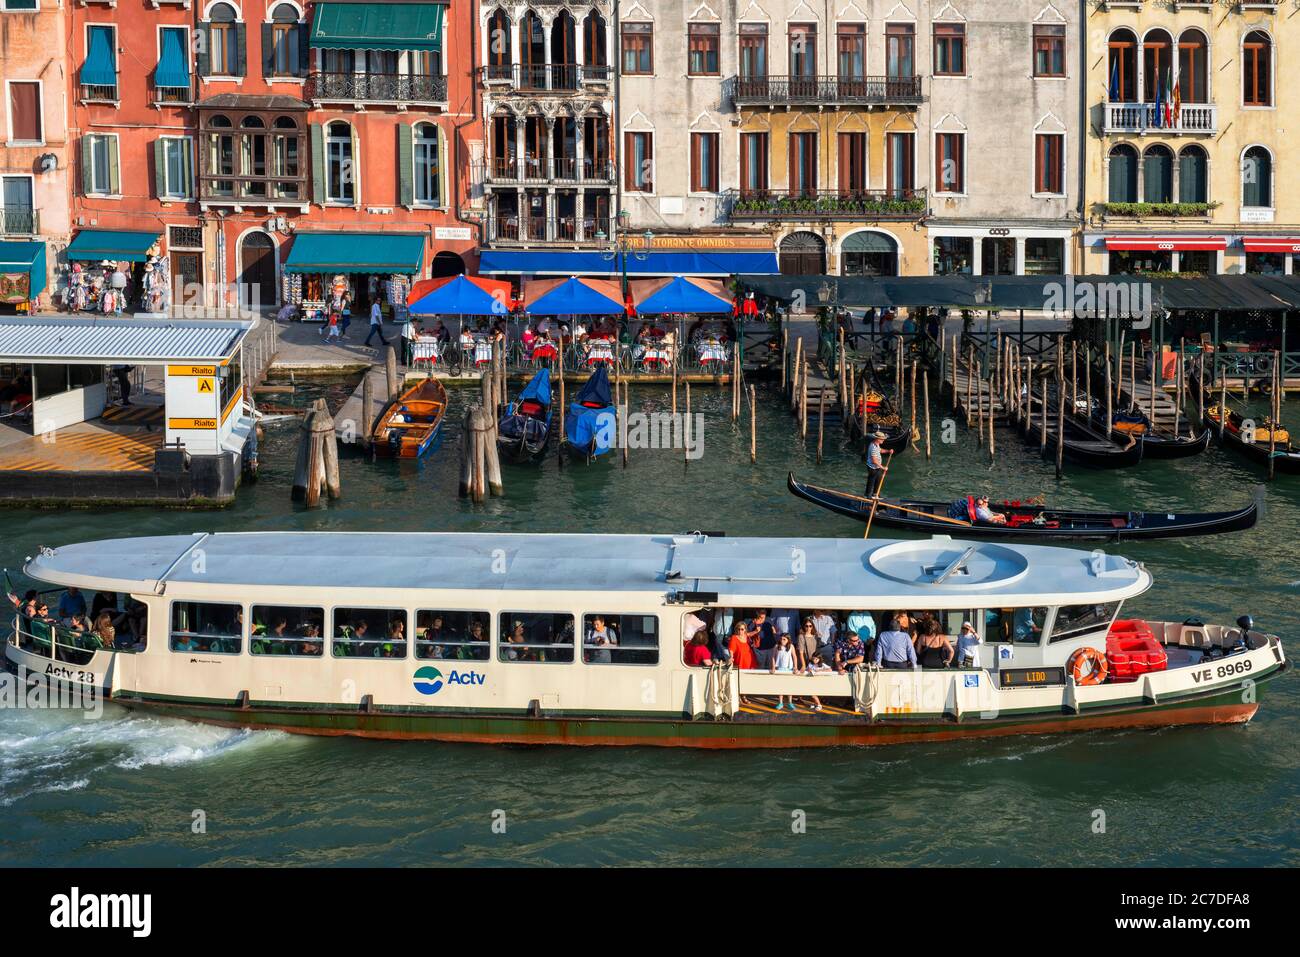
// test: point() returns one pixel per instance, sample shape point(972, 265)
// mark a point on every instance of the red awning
point(1272, 244)
point(1166, 244)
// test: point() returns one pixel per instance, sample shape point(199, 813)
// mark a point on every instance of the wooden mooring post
point(821, 423)
point(753, 427)
point(925, 402)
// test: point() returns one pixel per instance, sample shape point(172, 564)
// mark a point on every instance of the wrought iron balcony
point(1196, 118)
point(99, 93)
point(535, 169)
point(827, 91)
point(171, 95)
point(376, 87)
point(511, 229)
point(545, 77)
point(19, 221)
point(867, 205)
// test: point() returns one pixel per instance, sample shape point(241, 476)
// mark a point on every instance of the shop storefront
point(998, 251)
point(116, 271)
point(347, 272)
point(1271, 255)
point(22, 275)
point(1198, 255)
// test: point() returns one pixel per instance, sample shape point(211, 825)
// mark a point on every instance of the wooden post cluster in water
point(317, 467)
point(480, 461)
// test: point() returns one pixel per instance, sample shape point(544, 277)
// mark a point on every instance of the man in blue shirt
point(850, 653)
point(72, 604)
point(894, 649)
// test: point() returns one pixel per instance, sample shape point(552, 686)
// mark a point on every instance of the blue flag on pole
point(1114, 80)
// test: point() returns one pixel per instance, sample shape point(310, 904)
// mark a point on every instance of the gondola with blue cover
point(590, 421)
point(525, 429)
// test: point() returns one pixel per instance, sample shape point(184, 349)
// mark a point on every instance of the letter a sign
point(205, 386)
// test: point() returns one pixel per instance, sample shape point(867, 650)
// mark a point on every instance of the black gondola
point(525, 429)
point(1083, 444)
point(875, 411)
point(1284, 454)
point(1026, 522)
point(1157, 443)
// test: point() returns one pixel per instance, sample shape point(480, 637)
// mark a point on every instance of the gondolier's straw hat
point(878, 435)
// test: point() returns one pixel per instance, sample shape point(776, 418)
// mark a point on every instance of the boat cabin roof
point(742, 571)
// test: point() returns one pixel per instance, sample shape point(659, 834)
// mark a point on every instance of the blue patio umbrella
point(461, 296)
point(573, 297)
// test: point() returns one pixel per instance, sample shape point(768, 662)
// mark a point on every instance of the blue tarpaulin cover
point(589, 426)
point(174, 63)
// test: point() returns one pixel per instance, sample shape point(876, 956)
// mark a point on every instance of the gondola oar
point(900, 508)
point(876, 501)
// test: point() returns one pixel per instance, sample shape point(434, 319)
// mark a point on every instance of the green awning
point(22, 257)
point(377, 26)
point(356, 252)
point(112, 244)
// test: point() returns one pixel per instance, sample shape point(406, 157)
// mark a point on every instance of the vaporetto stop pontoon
point(579, 639)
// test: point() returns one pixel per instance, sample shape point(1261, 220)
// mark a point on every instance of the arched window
point(282, 42)
point(500, 46)
point(1158, 175)
point(1157, 65)
point(339, 174)
point(223, 33)
point(564, 53)
point(1123, 175)
point(1193, 175)
point(1257, 178)
point(252, 123)
point(286, 123)
point(1122, 67)
point(532, 50)
point(868, 253)
point(1257, 69)
point(593, 41)
point(426, 167)
point(1193, 78)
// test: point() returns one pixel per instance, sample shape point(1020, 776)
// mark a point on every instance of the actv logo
point(429, 680)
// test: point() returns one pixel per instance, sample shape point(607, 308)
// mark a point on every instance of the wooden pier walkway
point(1141, 393)
point(960, 380)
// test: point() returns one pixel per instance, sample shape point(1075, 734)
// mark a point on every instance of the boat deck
point(100, 445)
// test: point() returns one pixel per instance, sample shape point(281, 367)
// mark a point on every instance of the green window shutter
point(159, 168)
point(268, 50)
point(304, 49)
point(187, 185)
point(444, 180)
point(86, 179)
point(203, 43)
point(355, 169)
point(318, 164)
point(405, 165)
point(241, 49)
point(114, 180)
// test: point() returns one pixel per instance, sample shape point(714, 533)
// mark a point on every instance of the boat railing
point(425, 648)
point(52, 640)
point(345, 646)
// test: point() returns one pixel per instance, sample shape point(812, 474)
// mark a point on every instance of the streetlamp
point(626, 243)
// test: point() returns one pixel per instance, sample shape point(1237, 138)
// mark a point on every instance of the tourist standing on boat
point(697, 653)
point(807, 643)
point(763, 637)
point(933, 648)
point(783, 662)
point(599, 638)
point(376, 323)
point(875, 465)
point(894, 649)
point(968, 647)
point(741, 652)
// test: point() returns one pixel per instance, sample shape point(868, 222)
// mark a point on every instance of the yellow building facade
point(1189, 127)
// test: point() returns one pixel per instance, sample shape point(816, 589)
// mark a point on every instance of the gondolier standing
point(875, 465)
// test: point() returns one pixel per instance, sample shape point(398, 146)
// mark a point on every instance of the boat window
point(536, 636)
point(461, 635)
point(214, 628)
point(369, 633)
point(620, 639)
point(1074, 620)
point(287, 630)
point(1022, 626)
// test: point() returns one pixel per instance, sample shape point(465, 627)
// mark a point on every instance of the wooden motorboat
point(411, 423)
point(1027, 521)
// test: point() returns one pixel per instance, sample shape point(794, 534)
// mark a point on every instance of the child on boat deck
point(817, 666)
point(782, 661)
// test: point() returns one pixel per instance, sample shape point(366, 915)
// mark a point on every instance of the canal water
point(124, 790)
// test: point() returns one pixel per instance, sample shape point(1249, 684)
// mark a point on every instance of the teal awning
point(112, 244)
point(173, 63)
point(377, 26)
point(25, 257)
point(356, 252)
point(100, 68)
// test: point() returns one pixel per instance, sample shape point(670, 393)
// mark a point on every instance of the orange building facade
point(211, 136)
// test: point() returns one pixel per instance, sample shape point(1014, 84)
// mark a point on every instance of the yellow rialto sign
point(192, 370)
point(191, 423)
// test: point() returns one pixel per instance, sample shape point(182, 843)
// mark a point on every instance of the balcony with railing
point(512, 229)
point(546, 77)
point(867, 205)
point(171, 95)
point(560, 169)
point(99, 93)
point(19, 221)
point(826, 91)
point(1195, 118)
point(397, 88)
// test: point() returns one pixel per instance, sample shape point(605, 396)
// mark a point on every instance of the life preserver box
point(1088, 666)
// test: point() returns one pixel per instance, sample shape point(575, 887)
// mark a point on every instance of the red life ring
point(1088, 666)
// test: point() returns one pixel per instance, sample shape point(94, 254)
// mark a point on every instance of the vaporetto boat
point(579, 639)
